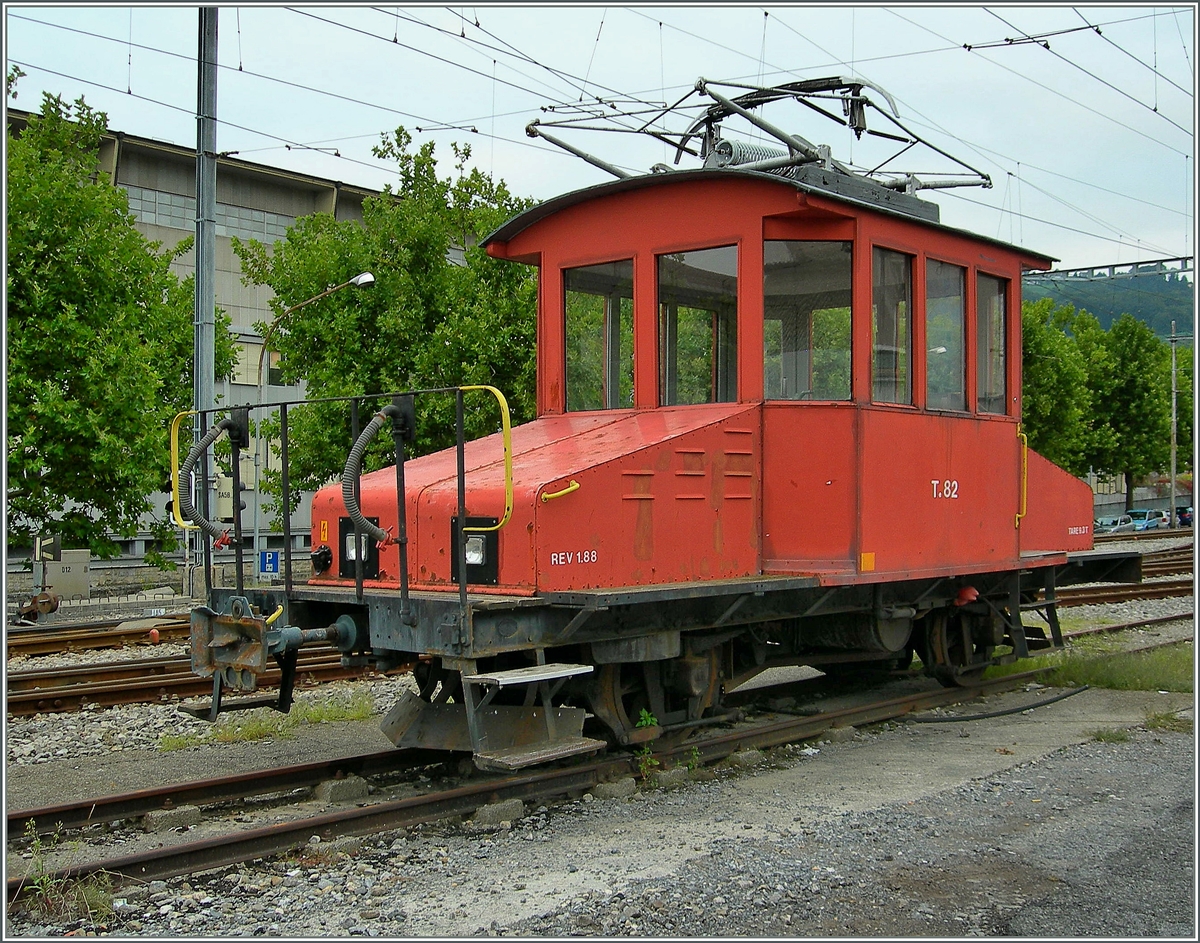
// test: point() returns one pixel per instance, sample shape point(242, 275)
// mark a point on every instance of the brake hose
point(354, 466)
point(186, 509)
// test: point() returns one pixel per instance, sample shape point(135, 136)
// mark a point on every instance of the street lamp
point(358, 281)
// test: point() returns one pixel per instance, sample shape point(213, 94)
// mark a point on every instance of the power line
point(1052, 91)
point(240, 70)
point(1097, 31)
point(1119, 91)
point(1037, 219)
point(286, 142)
point(431, 124)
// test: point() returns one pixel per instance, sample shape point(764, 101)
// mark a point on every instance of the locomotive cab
point(778, 424)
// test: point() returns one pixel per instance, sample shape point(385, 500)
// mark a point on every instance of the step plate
point(520, 757)
point(530, 675)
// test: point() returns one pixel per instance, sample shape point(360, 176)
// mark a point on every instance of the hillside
point(1153, 299)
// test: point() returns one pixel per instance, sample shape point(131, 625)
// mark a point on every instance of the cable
point(991, 714)
point(1097, 31)
point(239, 69)
point(1047, 88)
point(1093, 75)
point(1036, 219)
point(269, 78)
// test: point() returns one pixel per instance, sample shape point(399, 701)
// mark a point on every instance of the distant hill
point(1154, 299)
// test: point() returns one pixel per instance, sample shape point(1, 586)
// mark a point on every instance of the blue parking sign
point(268, 561)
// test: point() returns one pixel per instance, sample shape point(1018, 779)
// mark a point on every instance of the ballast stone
point(507, 811)
point(670, 778)
point(619, 789)
point(744, 759)
point(350, 789)
point(161, 820)
point(840, 734)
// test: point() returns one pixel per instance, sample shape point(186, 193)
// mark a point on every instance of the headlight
point(476, 552)
point(351, 547)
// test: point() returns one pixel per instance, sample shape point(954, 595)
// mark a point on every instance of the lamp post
point(358, 281)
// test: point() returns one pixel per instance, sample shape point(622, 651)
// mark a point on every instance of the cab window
point(697, 326)
point(891, 327)
point(806, 320)
point(599, 331)
point(992, 302)
point(945, 312)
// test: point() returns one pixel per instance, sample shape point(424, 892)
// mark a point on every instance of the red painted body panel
point(810, 487)
point(665, 496)
point(966, 520)
point(1059, 509)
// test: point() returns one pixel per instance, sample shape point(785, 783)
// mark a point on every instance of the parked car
point(1183, 516)
point(1148, 519)
point(1120, 524)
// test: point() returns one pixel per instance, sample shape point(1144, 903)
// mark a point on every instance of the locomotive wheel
point(954, 656)
point(618, 693)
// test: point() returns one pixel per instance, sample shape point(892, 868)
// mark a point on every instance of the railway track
point(542, 784)
point(93, 636)
point(1168, 562)
point(142, 681)
point(1122, 592)
point(223, 850)
point(1156, 534)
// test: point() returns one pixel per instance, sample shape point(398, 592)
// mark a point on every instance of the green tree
point(428, 321)
point(99, 340)
point(1055, 395)
point(1129, 373)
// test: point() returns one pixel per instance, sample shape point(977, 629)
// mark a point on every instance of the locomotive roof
point(831, 185)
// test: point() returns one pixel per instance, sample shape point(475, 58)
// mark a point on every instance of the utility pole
point(1175, 339)
point(1171, 518)
point(206, 222)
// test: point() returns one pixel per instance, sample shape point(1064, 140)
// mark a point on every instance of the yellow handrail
point(550, 496)
point(506, 429)
point(175, 470)
point(1024, 475)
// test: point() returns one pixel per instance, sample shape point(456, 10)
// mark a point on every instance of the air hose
point(186, 509)
point(353, 468)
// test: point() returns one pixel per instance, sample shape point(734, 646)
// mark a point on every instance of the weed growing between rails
point(47, 897)
point(646, 759)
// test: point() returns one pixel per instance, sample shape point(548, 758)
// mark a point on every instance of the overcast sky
point(1090, 143)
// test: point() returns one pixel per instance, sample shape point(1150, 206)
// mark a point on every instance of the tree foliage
point(1055, 396)
point(1134, 403)
point(427, 322)
point(99, 340)
point(1097, 399)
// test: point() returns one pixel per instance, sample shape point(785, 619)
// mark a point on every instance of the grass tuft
point(265, 723)
point(1110, 734)
point(1160, 669)
point(1170, 721)
point(1095, 663)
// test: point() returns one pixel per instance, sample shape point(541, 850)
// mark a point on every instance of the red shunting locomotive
point(778, 424)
